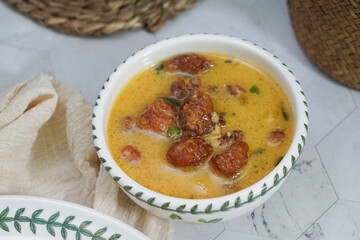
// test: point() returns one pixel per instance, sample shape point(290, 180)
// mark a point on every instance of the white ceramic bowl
point(200, 210)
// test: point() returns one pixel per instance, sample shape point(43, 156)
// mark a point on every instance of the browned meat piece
point(188, 63)
point(235, 90)
point(188, 152)
point(195, 114)
point(229, 137)
point(276, 137)
point(182, 87)
point(159, 116)
point(232, 160)
point(128, 123)
point(130, 153)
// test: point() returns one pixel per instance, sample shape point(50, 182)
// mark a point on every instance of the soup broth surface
point(260, 110)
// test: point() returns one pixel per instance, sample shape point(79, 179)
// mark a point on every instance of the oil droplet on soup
point(244, 96)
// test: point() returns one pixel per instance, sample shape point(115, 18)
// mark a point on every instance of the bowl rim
point(207, 205)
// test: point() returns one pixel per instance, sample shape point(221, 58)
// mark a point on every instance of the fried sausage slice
point(188, 63)
point(195, 114)
point(130, 153)
point(158, 117)
point(276, 137)
point(188, 152)
point(232, 160)
point(183, 86)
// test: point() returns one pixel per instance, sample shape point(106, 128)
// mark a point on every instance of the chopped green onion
point(228, 61)
point(284, 113)
point(171, 100)
point(255, 89)
point(174, 132)
point(257, 152)
point(159, 67)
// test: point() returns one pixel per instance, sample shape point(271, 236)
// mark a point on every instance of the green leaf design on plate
point(50, 230)
point(216, 220)
point(165, 205)
point(85, 232)
point(293, 160)
point(307, 115)
point(39, 221)
point(85, 224)
point(33, 227)
point(175, 217)
point(51, 224)
point(250, 196)
point(63, 233)
point(71, 227)
point(276, 179)
point(97, 148)
point(68, 220)
point(98, 97)
point(116, 179)
point(306, 127)
point(237, 202)
point(225, 206)
point(94, 137)
point(100, 232)
point(303, 139)
point(181, 208)
point(115, 237)
point(194, 209)
point(151, 201)
point(302, 93)
point(138, 194)
point(285, 170)
point(77, 236)
point(93, 127)
point(17, 226)
point(19, 212)
point(107, 168)
point(208, 208)
point(127, 188)
point(4, 226)
point(202, 220)
point(102, 160)
point(264, 189)
point(54, 217)
point(93, 115)
point(299, 148)
point(305, 103)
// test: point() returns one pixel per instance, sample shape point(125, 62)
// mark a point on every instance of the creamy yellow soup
point(257, 112)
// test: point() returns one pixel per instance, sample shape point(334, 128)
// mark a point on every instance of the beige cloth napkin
point(46, 149)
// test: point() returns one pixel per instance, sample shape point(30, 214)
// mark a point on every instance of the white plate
point(35, 218)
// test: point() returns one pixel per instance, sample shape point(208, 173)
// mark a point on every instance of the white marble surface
point(320, 199)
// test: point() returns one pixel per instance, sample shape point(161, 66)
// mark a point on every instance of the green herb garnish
point(160, 67)
point(255, 89)
point(233, 114)
point(222, 113)
point(228, 61)
point(174, 132)
point(257, 152)
point(284, 113)
point(171, 100)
